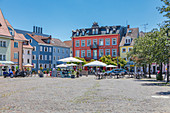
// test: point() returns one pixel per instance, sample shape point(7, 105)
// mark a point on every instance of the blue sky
point(60, 17)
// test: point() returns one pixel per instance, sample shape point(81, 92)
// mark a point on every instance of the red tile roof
point(3, 28)
point(58, 42)
point(68, 43)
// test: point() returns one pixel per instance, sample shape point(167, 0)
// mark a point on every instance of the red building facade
point(93, 43)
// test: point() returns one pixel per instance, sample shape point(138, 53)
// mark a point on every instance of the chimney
point(34, 29)
point(128, 26)
point(41, 30)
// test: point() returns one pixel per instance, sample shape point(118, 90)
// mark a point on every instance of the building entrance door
point(154, 71)
point(94, 54)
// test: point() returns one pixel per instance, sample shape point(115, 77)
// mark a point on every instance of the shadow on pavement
point(163, 93)
point(155, 84)
point(147, 80)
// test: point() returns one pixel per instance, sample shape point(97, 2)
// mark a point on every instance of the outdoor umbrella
point(28, 65)
point(111, 66)
point(61, 65)
point(71, 64)
point(96, 63)
point(70, 59)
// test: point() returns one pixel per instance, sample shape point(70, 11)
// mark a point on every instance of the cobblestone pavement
point(85, 94)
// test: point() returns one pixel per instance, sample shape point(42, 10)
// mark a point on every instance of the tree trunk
point(149, 70)
point(161, 69)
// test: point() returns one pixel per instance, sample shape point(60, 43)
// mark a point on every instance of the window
point(41, 48)
point(15, 55)
point(46, 49)
point(30, 40)
point(114, 52)
point(88, 42)
point(40, 65)
point(34, 48)
point(83, 33)
point(62, 50)
point(0, 57)
point(82, 43)
point(0, 43)
point(58, 50)
point(77, 33)
point(93, 31)
point(49, 49)
point(33, 57)
point(45, 65)
point(77, 43)
point(28, 60)
point(4, 57)
point(54, 49)
point(88, 53)
point(97, 31)
point(128, 40)
point(107, 41)
point(4, 44)
point(15, 44)
point(53, 65)
point(101, 52)
point(45, 57)
point(58, 57)
point(41, 57)
point(107, 52)
point(82, 53)
point(54, 58)
point(107, 31)
point(49, 65)
point(101, 42)
point(28, 52)
point(129, 49)
point(94, 42)
point(34, 65)
point(123, 50)
point(77, 53)
point(114, 41)
point(49, 57)
point(67, 51)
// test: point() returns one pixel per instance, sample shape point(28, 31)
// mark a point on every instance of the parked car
point(117, 71)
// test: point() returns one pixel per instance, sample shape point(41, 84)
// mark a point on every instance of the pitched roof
point(22, 36)
point(16, 35)
point(3, 27)
point(28, 46)
point(131, 32)
point(68, 43)
point(38, 38)
point(58, 42)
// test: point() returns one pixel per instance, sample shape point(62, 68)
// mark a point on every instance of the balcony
point(94, 46)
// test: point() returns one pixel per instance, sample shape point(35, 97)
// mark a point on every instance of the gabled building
point(69, 43)
point(16, 48)
point(60, 51)
point(42, 51)
point(5, 44)
point(126, 45)
point(94, 42)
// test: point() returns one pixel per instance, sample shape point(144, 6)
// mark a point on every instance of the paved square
point(85, 94)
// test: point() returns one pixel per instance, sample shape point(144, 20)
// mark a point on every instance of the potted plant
point(47, 70)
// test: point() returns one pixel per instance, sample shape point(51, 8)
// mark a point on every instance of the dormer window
point(83, 32)
point(128, 40)
point(130, 31)
point(107, 31)
point(97, 31)
point(93, 31)
point(11, 31)
point(77, 33)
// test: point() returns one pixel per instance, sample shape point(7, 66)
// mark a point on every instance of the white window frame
point(34, 65)
point(39, 57)
point(54, 58)
point(49, 57)
point(34, 57)
point(34, 48)
point(41, 48)
point(115, 41)
point(54, 50)
point(15, 57)
point(58, 50)
point(45, 57)
point(49, 49)
point(45, 48)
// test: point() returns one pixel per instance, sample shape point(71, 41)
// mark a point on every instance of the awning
point(6, 62)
